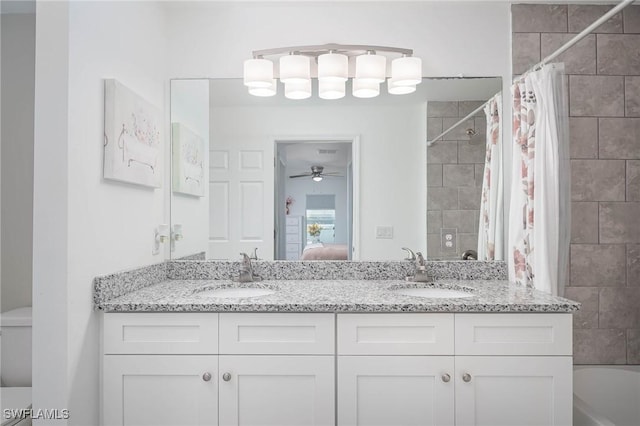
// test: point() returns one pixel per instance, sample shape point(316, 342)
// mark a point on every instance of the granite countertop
point(336, 296)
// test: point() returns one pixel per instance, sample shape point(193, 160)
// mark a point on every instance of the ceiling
point(300, 156)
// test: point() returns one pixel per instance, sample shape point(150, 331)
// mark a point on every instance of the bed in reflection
point(323, 251)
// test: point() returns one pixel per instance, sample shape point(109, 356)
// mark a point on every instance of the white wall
point(213, 39)
point(85, 227)
point(109, 225)
point(392, 161)
point(190, 106)
point(18, 59)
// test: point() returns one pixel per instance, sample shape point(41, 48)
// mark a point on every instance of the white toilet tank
point(15, 359)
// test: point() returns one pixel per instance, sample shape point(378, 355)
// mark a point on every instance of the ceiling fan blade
point(331, 175)
point(297, 176)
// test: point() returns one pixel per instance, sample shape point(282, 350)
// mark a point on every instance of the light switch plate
point(384, 232)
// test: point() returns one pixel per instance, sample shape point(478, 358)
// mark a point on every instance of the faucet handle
point(254, 255)
point(420, 259)
point(245, 257)
point(411, 256)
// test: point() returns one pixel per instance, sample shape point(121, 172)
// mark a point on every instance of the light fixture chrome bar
point(578, 37)
point(462, 120)
point(329, 47)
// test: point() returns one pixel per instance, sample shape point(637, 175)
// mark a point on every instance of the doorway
point(316, 198)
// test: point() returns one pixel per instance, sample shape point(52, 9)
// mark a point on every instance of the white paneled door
point(160, 390)
point(277, 390)
point(513, 391)
point(395, 390)
point(241, 197)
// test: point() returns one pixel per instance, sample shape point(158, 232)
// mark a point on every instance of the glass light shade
point(371, 68)
point(331, 89)
point(365, 88)
point(333, 67)
point(258, 73)
point(317, 178)
point(406, 71)
point(298, 90)
point(264, 92)
point(396, 89)
point(295, 69)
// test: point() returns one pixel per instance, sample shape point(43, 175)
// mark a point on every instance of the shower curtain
point(539, 214)
point(490, 230)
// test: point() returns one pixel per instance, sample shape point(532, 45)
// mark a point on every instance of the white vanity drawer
point(293, 221)
point(293, 247)
point(395, 334)
point(295, 230)
point(293, 238)
point(513, 334)
point(284, 334)
point(160, 333)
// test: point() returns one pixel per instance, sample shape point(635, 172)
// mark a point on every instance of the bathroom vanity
point(340, 352)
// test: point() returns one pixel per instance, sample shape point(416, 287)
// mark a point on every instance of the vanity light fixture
point(296, 70)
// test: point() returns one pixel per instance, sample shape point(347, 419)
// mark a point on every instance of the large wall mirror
point(322, 179)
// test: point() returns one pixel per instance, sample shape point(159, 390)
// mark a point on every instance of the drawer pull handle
point(206, 376)
point(446, 378)
point(466, 377)
point(226, 377)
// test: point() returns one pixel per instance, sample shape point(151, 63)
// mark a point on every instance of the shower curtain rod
point(546, 60)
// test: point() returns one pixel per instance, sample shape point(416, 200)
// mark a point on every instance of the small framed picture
point(133, 148)
point(187, 161)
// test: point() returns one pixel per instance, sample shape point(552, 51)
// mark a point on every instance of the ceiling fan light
point(258, 72)
point(333, 67)
point(395, 89)
point(317, 178)
point(371, 67)
point(265, 92)
point(298, 90)
point(331, 89)
point(406, 71)
point(295, 69)
point(365, 88)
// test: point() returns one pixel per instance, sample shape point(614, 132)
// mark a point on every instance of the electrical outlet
point(448, 239)
point(384, 232)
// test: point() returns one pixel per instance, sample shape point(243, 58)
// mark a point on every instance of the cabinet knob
point(206, 376)
point(466, 377)
point(446, 378)
point(226, 377)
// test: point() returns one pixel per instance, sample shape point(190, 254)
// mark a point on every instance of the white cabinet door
point(277, 390)
point(513, 391)
point(395, 390)
point(160, 390)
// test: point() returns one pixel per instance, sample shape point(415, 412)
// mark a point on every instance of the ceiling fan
point(316, 174)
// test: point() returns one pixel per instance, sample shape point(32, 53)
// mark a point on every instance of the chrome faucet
point(254, 255)
point(246, 274)
point(411, 256)
point(420, 274)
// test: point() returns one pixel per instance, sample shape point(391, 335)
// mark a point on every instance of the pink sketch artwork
point(133, 140)
point(187, 161)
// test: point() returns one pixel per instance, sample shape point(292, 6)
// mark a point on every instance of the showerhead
point(474, 137)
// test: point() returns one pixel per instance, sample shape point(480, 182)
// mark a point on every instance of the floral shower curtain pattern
point(539, 220)
point(490, 235)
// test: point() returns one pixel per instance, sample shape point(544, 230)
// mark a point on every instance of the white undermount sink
point(235, 292)
point(432, 292)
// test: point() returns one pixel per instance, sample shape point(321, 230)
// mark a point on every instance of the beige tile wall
point(604, 97)
point(454, 177)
